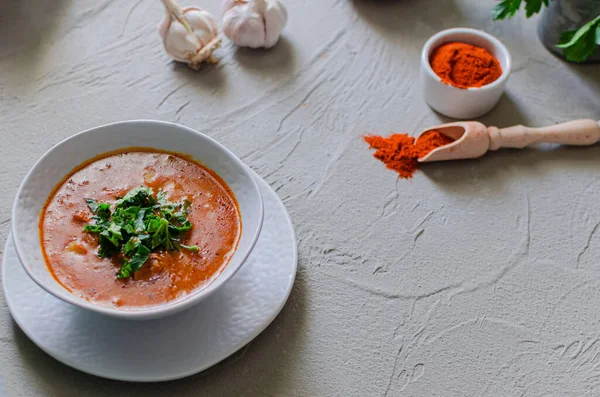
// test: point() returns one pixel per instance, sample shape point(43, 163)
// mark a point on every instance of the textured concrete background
point(477, 278)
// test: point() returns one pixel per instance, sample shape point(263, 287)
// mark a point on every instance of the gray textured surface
point(476, 278)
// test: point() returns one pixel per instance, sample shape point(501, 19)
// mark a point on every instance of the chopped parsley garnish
point(139, 225)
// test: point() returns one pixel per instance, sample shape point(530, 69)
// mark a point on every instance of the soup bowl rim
point(145, 312)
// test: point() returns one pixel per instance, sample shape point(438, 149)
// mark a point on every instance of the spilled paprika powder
point(399, 152)
point(464, 65)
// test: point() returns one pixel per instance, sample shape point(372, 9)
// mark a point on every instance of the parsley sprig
point(578, 45)
point(507, 9)
point(140, 224)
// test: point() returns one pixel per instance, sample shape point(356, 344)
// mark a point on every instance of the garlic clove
point(180, 44)
point(189, 34)
point(203, 22)
point(244, 27)
point(275, 19)
point(254, 23)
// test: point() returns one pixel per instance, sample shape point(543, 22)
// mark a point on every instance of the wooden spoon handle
point(577, 133)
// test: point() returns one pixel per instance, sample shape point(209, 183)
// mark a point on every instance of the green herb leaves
point(140, 224)
point(141, 197)
point(582, 43)
point(578, 45)
point(139, 256)
point(532, 7)
point(507, 9)
point(93, 204)
point(101, 210)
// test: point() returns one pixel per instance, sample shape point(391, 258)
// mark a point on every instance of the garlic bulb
point(254, 23)
point(189, 34)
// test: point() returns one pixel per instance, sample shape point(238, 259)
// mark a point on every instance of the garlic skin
point(189, 34)
point(254, 23)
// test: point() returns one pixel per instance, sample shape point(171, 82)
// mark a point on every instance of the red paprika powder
point(399, 152)
point(464, 65)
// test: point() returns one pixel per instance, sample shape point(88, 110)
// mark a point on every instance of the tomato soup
point(74, 257)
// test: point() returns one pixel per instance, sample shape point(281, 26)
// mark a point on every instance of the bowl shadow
point(496, 170)
point(506, 113)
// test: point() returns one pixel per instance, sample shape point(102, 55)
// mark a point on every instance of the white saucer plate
point(171, 347)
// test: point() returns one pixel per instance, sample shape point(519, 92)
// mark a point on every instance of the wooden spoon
point(473, 139)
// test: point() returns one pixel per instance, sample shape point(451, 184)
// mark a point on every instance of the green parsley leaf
point(126, 270)
point(107, 248)
point(193, 248)
point(94, 228)
point(506, 9)
point(93, 204)
point(141, 196)
point(580, 44)
point(136, 262)
point(103, 212)
point(534, 6)
point(161, 197)
point(152, 223)
point(129, 230)
point(131, 246)
point(140, 257)
point(138, 223)
point(178, 225)
point(113, 234)
point(179, 247)
point(186, 206)
point(160, 234)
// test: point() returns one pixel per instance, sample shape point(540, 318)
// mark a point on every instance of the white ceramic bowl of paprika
point(460, 103)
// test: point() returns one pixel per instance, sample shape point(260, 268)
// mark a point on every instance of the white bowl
point(456, 102)
point(68, 154)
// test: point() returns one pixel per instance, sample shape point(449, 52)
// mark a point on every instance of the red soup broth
point(71, 254)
